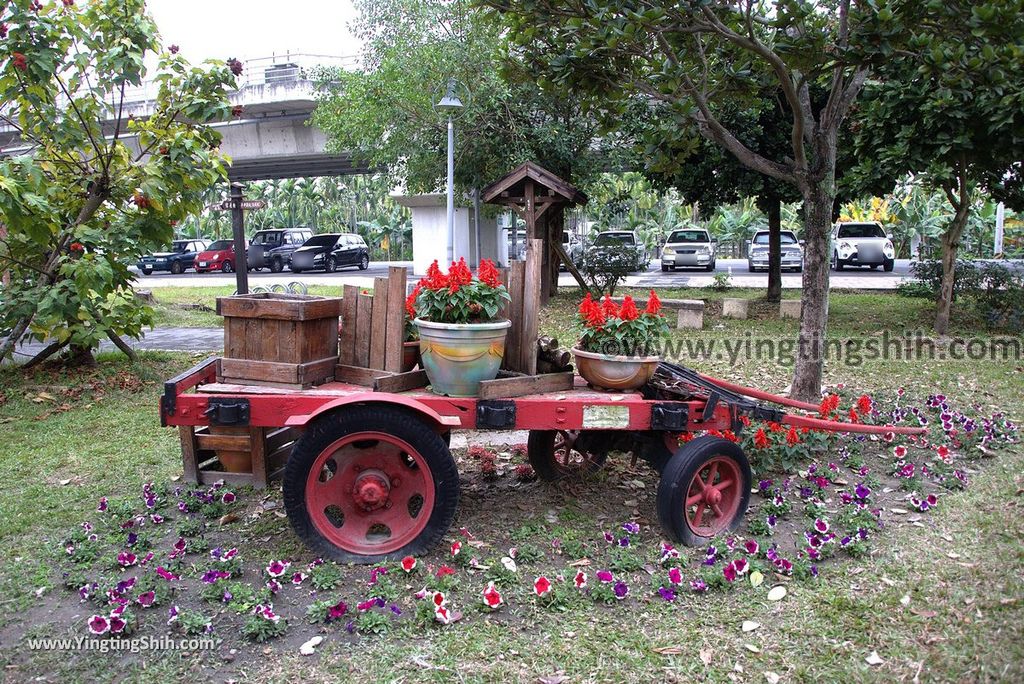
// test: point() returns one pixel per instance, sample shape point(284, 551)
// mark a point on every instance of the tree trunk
point(773, 207)
point(123, 346)
point(807, 373)
point(950, 247)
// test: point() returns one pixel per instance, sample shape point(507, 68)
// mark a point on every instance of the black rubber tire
point(147, 271)
point(710, 267)
point(364, 263)
point(177, 268)
point(330, 265)
point(294, 270)
point(276, 265)
point(226, 267)
point(404, 425)
point(540, 448)
point(837, 263)
point(664, 268)
point(675, 482)
point(889, 265)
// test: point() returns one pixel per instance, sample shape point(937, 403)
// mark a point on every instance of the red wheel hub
point(370, 493)
point(713, 497)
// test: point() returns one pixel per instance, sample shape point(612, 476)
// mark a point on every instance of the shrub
point(605, 269)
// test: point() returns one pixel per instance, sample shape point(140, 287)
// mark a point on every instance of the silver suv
point(792, 252)
point(691, 247)
point(861, 244)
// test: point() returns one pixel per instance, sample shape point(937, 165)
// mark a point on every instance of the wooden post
point(379, 323)
point(238, 233)
point(349, 309)
point(395, 335)
point(531, 306)
point(364, 317)
point(513, 360)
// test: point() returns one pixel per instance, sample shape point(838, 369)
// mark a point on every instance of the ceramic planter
point(458, 357)
point(621, 373)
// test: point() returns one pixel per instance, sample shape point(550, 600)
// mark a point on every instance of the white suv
point(691, 247)
point(861, 244)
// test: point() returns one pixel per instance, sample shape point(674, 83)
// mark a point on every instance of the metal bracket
point(497, 414)
point(670, 416)
point(709, 407)
point(228, 411)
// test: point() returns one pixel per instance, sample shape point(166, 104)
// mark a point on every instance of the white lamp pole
point(450, 104)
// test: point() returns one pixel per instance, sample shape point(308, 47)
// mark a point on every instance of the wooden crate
point(279, 340)
point(270, 448)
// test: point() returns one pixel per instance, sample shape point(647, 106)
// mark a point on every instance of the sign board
point(229, 205)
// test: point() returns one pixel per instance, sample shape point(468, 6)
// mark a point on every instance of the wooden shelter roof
point(512, 186)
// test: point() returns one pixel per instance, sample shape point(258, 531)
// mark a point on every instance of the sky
point(256, 28)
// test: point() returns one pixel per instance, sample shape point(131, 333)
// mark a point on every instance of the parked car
point(792, 252)
point(626, 240)
point(330, 251)
point(861, 244)
point(219, 256)
point(689, 248)
point(572, 246)
point(182, 255)
point(518, 252)
point(273, 248)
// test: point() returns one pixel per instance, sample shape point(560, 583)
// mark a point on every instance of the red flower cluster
point(761, 439)
point(829, 405)
point(628, 312)
point(488, 273)
point(854, 418)
point(77, 247)
point(792, 437)
point(141, 201)
point(864, 405)
point(20, 61)
point(591, 313)
point(459, 275)
point(235, 66)
point(236, 111)
point(653, 304)
point(435, 280)
point(410, 301)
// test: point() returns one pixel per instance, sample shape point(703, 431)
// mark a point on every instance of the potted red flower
point(461, 332)
point(620, 345)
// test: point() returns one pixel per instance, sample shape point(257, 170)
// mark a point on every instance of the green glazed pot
point(459, 356)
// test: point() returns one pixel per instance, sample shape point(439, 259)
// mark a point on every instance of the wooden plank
point(189, 462)
point(257, 437)
point(395, 334)
point(512, 358)
point(359, 375)
point(378, 323)
point(224, 442)
point(401, 382)
point(363, 325)
point(245, 382)
point(528, 384)
point(279, 306)
point(349, 308)
point(275, 371)
point(211, 476)
point(531, 306)
point(281, 437)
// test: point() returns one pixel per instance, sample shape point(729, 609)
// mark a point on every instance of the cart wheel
point(704, 490)
point(553, 455)
point(366, 484)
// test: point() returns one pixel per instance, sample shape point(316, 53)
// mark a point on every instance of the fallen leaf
point(582, 562)
point(228, 518)
point(905, 601)
point(873, 659)
point(752, 648)
point(280, 514)
point(705, 656)
point(772, 677)
point(669, 650)
point(509, 564)
point(756, 578)
point(309, 647)
point(64, 483)
point(887, 582)
point(953, 554)
point(924, 613)
point(899, 511)
point(552, 679)
point(777, 593)
point(749, 625)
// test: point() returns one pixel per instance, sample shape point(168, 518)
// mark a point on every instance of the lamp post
point(450, 104)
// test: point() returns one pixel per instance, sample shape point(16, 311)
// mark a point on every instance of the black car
point(330, 252)
point(273, 248)
point(182, 256)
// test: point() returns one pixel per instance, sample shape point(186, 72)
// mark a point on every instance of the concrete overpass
point(272, 138)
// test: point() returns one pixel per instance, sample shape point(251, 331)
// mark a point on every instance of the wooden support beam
point(531, 306)
point(401, 382)
point(395, 335)
point(358, 375)
point(504, 388)
point(378, 323)
point(349, 306)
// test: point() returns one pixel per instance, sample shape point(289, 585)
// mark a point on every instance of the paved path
point(652, 277)
point(160, 339)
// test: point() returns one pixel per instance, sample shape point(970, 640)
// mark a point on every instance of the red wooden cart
point(372, 477)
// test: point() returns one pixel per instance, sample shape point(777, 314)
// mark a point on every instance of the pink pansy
point(675, 576)
point(439, 599)
point(99, 624)
point(146, 599)
point(492, 597)
point(741, 566)
point(542, 586)
point(298, 578)
point(751, 547)
point(228, 497)
point(889, 436)
point(605, 576)
point(821, 526)
point(102, 507)
point(120, 609)
point(277, 568)
point(899, 451)
point(942, 452)
point(156, 519)
point(117, 624)
point(366, 605)
point(274, 586)
point(127, 559)
point(456, 548)
point(180, 544)
point(441, 615)
point(408, 564)
point(421, 594)
point(166, 574)
point(267, 613)
point(580, 580)
point(172, 614)
point(730, 572)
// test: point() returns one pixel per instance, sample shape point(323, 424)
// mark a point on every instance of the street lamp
point(450, 104)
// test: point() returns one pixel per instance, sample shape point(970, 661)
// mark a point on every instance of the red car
point(220, 256)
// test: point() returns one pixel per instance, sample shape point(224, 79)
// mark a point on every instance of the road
point(652, 277)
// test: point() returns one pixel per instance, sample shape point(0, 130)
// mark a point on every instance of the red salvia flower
point(591, 313)
point(792, 437)
point(864, 404)
point(20, 61)
point(609, 308)
point(653, 304)
point(854, 418)
point(410, 301)
point(488, 273)
point(761, 439)
point(435, 280)
point(628, 312)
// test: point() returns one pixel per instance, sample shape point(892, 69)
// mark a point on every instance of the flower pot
point(605, 372)
point(410, 355)
point(459, 356)
point(234, 461)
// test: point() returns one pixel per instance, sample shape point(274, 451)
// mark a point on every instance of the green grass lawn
point(941, 599)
